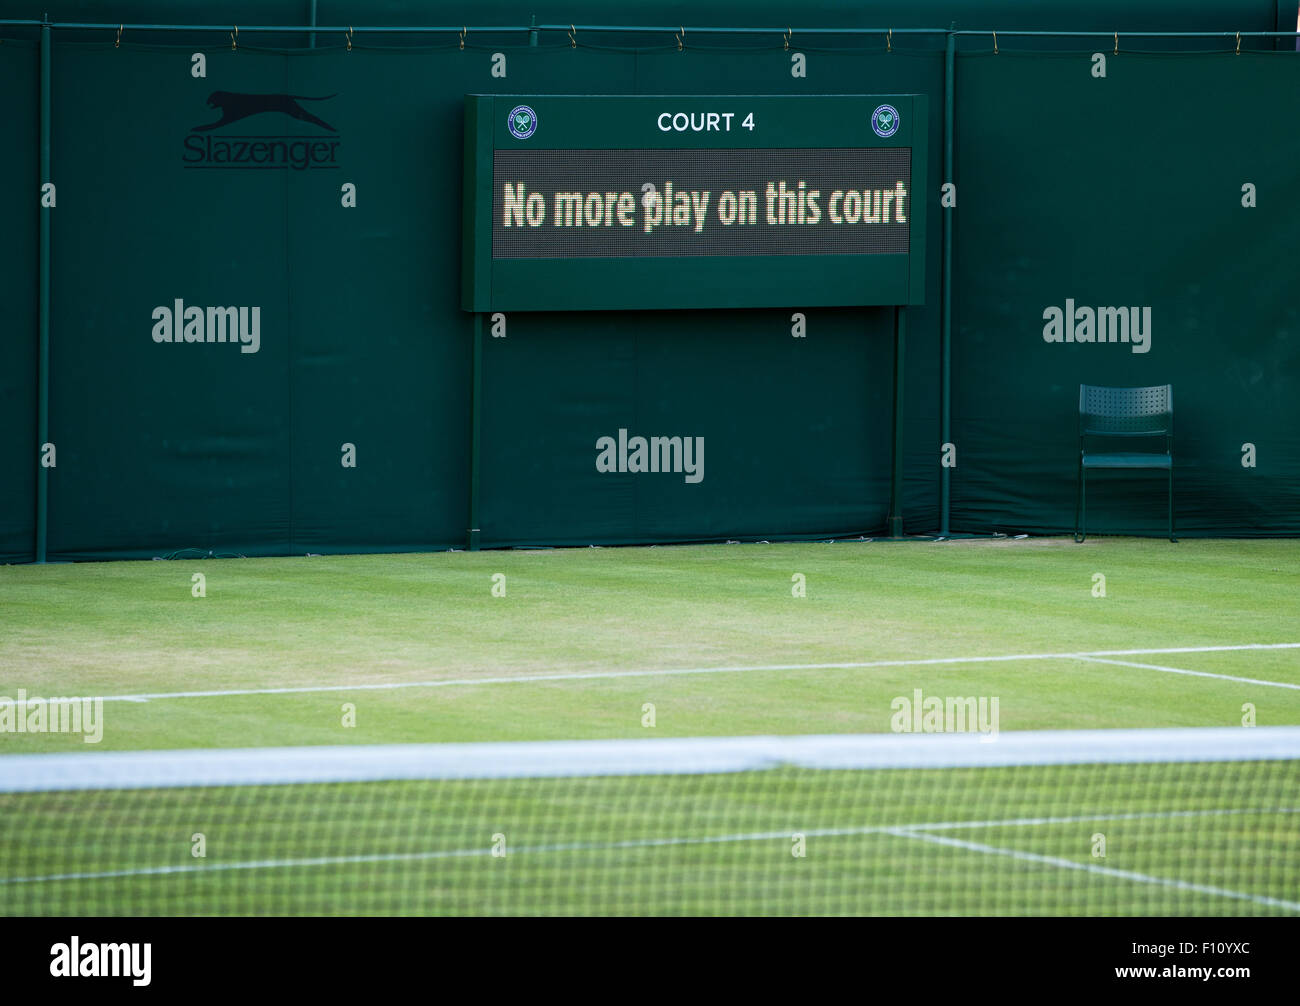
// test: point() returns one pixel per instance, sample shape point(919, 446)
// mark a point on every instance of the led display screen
point(630, 203)
point(601, 202)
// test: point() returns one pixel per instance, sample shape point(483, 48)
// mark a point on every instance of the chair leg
point(1171, 504)
point(1081, 506)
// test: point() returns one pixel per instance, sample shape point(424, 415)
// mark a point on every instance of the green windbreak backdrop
point(361, 354)
point(336, 416)
point(349, 427)
point(18, 318)
point(1128, 191)
point(163, 445)
point(795, 433)
point(380, 352)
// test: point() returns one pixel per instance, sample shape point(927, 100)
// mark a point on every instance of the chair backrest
point(1126, 412)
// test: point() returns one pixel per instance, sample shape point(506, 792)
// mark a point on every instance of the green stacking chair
point(1134, 413)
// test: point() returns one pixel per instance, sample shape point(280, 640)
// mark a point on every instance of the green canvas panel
point(19, 187)
point(380, 349)
point(795, 431)
point(1128, 191)
point(162, 446)
point(1123, 191)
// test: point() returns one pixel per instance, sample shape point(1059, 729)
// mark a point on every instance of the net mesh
point(1150, 837)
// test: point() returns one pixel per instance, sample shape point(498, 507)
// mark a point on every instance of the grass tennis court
point(1187, 840)
point(579, 646)
point(133, 628)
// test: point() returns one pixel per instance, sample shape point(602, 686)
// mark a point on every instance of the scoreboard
point(636, 202)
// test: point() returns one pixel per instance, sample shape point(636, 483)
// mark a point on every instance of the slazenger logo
point(75, 959)
point(266, 151)
point(180, 323)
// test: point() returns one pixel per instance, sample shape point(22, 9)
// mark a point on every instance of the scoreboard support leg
point(895, 520)
point(476, 407)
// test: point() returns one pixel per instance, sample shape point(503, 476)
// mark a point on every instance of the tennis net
point(1113, 822)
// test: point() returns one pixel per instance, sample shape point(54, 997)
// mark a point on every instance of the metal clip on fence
point(889, 41)
point(118, 43)
point(349, 37)
point(787, 39)
point(573, 42)
point(234, 39)
point(680, 38)
point(463, 30)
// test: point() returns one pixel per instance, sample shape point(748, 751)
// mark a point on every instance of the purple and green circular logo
point(522, 122)
point(884, 120)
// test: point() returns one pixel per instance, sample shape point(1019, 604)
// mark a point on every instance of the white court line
point(913, 831)
point(1179, 670)
point(672, 672)
point(1069, 864)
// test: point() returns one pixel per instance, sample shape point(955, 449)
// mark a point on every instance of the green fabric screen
point(169, 447)
point(18, 322)
point(1128, 191)
point(361, 342)
point(1117, 191)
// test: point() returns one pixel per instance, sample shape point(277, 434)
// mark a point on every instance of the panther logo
point(235, 106)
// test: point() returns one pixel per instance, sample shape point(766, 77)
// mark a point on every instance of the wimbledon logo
point(884, 120)
point(522, 122)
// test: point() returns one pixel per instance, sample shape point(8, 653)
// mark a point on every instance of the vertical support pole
point(311, 38)
point(43, 354)
point(476, 425)
point(945, 326)
point(896, 481)
point(532, 30)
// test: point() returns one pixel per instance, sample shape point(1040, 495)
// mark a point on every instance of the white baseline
point(1093, 655)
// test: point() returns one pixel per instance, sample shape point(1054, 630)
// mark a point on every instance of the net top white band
point(693, 756)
